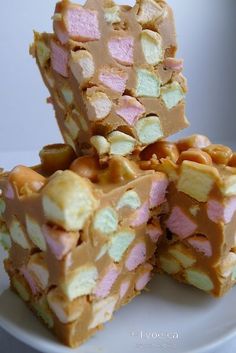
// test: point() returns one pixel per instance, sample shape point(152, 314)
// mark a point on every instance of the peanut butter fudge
point(113, 78)
point(81, 240)
point(200, 245)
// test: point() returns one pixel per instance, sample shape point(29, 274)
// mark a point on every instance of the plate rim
point(48, 347)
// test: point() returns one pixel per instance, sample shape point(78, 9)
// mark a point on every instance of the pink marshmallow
point(9, 192)
point(68, 261)
point(218, 212)
point(29, 279)
point(113, 79)
point(122, 49)
point(201, 244)
point(141, 216)
point(158, 193)
point(59, 57)
point(230, 209)
point(142, 281)
point(154, 232)
point(136, 257)
point(180, 224)
point(59, 241)
point(61, 34)
point(82, 24)
point(174, 64)
point(215, 211)
point(130, 109)
point(124, 288)
point(105, 284)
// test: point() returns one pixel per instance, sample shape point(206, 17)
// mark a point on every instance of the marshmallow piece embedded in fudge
point(106, 220)
point(201, 244)
point(121, 49)
point(5, 237)
point(119, 243)
point(65, 311)
point(101, 145)
point(113, 78)
point(174, 64)
point(79, 23)
point(2, 208)
point(81, 282)
point(103, 310)
point(21, 288)
point(67, 94)
point(71, 126)
point(143, 278)
point(129, 109)
point(59, 241)
point(172, 94)
point(37, 266)
point(136, 256)
point(180, 224)
point(147, 84)
point(199, 279)
point(152, 47)
point(141, 215)
point(82, 65)
point(158, 193)
point(71, 208)
point(149, 129)
point(218, 211)
point(112, 14)
point(43, 53)
point(105, 284)
point(35, 233)
point(149, 11)
point(129, 199)
point(121, 143)
point(18, 233)
point(59, 58)
point(197, 180)
point(100, 104)
point(180, 253)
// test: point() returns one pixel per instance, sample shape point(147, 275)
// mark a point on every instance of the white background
point(206, 34)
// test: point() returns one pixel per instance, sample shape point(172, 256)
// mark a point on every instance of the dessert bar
point(82, 240)
point(113, 78)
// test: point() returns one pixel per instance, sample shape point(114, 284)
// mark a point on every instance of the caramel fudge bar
point(200, 244)
point(113, 78)
point(81, 240)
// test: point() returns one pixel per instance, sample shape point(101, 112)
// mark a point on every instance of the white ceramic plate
point(169, 318)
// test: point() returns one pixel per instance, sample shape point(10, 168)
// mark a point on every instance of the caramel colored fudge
point(81, 240)
point(113, 78)
point(200, 245)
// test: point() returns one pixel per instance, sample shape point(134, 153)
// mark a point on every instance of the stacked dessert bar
point(199, 246)
point(86, 228)
point(113, 79)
